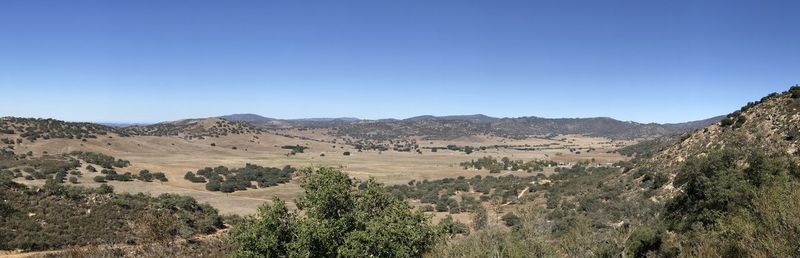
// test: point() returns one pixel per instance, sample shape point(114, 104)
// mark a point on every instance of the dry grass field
point(175, 156)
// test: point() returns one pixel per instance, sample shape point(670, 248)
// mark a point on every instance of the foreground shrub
point(336, 219)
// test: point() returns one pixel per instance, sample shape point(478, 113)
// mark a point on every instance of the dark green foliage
point(103, 160)
point(193, 178)
point(795, 92)
point(204, 217)
point(495, 166)
point(653, 179)
point(480, 219)
point(552, 201)
point(452, 227)
point(58, 216)
point(105, 189)
point(33, 129)
point(113, 176)
point(339, 219)
point(227, 187)
point(511, 220)
point(736, 202)
point(740, 121)
point(46, 166)
point(726, 122)
point(190, 130)
point(230, 180)
point(295, 148)
point(100, 179)
point(438, 192)
point(452, 147)
point(441, 206)
point(468, 149)
point(268, 235)
point(160, 176)
point(213, 185)
point(714, 184)
point(145, 175)
point(659, 180)
point(643, 240)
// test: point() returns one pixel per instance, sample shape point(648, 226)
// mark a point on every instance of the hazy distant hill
point(448, 127)
point(273, 123)
point(478, 118)
point(247, 118)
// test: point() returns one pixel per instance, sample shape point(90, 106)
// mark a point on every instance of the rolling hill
point(450, 127)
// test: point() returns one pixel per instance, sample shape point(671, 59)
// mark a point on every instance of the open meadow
point(175, 155)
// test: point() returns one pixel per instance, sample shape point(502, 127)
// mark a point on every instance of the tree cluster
point(228, 180)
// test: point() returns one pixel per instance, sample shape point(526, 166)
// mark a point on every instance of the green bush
point(452, 227)
point(659, 180)
point(795, 92)
point(726, 122)
point(643, 240)
point(58, 216)
point(511, 220)
point(336, 218)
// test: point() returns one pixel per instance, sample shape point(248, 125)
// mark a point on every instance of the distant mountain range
point(449, 127)
point(427, 127)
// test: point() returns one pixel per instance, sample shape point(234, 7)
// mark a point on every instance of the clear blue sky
point(146, 61)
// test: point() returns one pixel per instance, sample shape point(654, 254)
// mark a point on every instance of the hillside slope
point(771, 125)
point(729, 190)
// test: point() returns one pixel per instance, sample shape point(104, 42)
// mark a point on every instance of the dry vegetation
point(487, 195)
point(175, 154)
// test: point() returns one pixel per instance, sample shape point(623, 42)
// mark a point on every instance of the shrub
point(480, 219)
point(336, 218)
point(659, 180)
point(145, 175)
point(441, 206)
point(64, 217)
point(511, 220)
point(193, 178)
point(105, 189)
point(795, 91)
point(160, 176)
point(726, 122)
point(103, 160)
point(452, 227)
point(238, 179)
point(100, 179)
point(643, 240)
point(212, 185)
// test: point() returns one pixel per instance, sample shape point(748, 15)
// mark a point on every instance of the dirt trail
point(519, 196)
